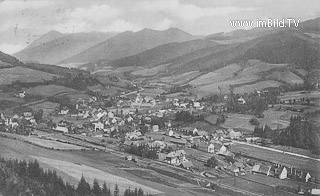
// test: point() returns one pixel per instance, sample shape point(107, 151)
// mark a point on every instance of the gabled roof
point(187, 164)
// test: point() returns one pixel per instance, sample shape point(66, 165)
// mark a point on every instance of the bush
point(254, 122)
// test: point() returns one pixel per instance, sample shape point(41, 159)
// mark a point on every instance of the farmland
point(216, 76)
point(181, 78)
point(48, 90)
point(47, 107)
point(24, 75)
point(239, 121)
point(257, 86)
point(150, 72)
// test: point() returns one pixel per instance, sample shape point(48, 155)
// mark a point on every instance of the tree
point(116, 191)
point(96, 190)
point(105, 190)
point(83, 188)
point(212, 162)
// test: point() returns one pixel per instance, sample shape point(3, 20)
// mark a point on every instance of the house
point(98, 126)
point(281, 172)
point(242, 101)
point(21, 94)
point(186, 164)
point(64, 111)
point(211, 148)
point(234, 135)
point(155, 128)
point(173, 158)
point(176, 157)
point(62, 129)
point(306, 176)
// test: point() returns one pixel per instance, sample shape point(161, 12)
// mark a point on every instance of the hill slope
point(53, 47)
point(158, 55)
point(129, 43)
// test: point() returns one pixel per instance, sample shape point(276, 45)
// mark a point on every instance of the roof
point(187, 164)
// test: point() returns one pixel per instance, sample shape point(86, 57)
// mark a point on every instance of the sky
point(23, 21)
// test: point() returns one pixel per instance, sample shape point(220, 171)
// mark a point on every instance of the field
point(90, 173)
point(224, 85)
point(47, 107)
point(239, 121)
point(216, 76)
point(300, 94)
point(181, 78)
point(257, 86)
point(44, 143)
point(48, 90)
point(276, 119)
point(150, 72)
point(286, 77)
point(24, 75)
point(10, 97)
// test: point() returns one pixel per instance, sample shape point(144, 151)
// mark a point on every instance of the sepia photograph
point(159, 97)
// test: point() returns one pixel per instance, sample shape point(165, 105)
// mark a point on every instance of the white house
point(242, 101)
point(211, 148)
point(62, 129)
point(98, 126)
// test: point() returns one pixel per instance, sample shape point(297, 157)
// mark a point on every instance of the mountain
point(310, 26)
point(129, 43)
point(51, 35)
point(157, 55)
point(54, 47)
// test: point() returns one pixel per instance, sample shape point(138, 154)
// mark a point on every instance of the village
point(182, 132)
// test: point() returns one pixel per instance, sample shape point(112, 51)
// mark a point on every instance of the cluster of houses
point(282, 172)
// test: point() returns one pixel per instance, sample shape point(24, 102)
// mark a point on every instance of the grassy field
point(180, 78)
point(90, 173)
point(150, 72)
point(239, 121)
point(44, 143)
point(48, 90)
point(47, 107)
point(216, 76)
point(285, 76)
point(24, 75)
point(10, 97)
point(257, 86)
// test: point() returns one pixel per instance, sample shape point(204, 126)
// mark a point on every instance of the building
point(62, 129)
point(211, 148)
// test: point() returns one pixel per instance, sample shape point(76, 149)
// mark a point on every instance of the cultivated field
point(24, 75)
point(257, 86)
point(216, 76)
point(181, 78)
point(285, 76)
point(150, 72)
point(48, 90)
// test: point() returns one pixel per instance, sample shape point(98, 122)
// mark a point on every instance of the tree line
point(21, 178)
